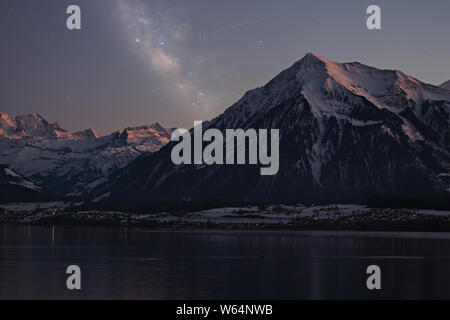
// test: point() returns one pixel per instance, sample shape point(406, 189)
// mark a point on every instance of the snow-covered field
point(32, 206)
point(276, 214)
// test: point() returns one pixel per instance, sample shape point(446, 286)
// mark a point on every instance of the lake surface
point(129, 263)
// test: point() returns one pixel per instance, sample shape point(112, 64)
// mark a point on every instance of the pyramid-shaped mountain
point(347, 132)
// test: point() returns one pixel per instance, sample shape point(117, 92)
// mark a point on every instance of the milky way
point(159, 38)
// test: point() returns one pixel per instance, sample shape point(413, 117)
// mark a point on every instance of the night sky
point(136, 62)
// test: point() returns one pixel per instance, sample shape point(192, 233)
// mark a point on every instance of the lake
point(133, 263)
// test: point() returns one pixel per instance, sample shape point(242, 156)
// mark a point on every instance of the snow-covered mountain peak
point(311, 60)
point(318, 73)
point(154, 135)
point(350, 74)
point(159, 127)
point(8, 126)
point(155, 128)
point(88, 134)
point(32, 121)
point(322, 79)
point(338, 89)
point(5, 116)
point(32, 125)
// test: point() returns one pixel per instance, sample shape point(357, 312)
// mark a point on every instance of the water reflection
point(121, 263)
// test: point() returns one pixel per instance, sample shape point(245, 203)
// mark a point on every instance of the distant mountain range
point(71, 164)
point(347, 132)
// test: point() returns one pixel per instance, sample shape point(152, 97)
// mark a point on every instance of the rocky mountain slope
point(445, 85)
point(7, 176)
point(347, 131)
point(15, 188)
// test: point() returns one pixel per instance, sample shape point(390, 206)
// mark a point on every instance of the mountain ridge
point(65, 163)
point(347, 132)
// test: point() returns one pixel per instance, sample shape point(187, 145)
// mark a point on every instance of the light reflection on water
point(125, 263)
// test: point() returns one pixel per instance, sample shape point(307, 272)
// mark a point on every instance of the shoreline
point(277, 217)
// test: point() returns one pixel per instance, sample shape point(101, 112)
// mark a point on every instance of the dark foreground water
point(121, 263)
